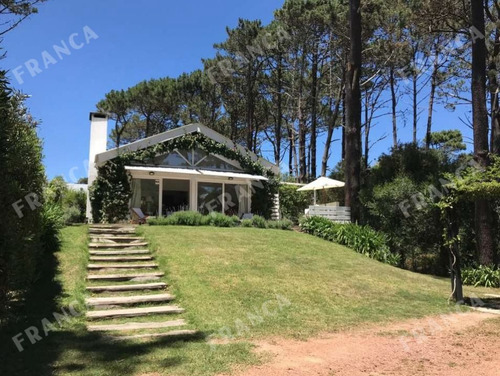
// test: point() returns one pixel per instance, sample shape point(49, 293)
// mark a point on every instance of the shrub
point(182, 218)
point(292, 202)
point(71, 214)
point(246, 223)
point(220, 220)
point(362, 239)
point(259, 222)
point(284, 224)
point(487, 276)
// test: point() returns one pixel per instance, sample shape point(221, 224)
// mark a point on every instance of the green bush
point(182, 218)
point(192, 218)
point(292, 202)
point(362, 239)
point(259, 222)
point(25, 237)
point(246, 223)
point(487, 276)
point(220, 220)
point(284, 224)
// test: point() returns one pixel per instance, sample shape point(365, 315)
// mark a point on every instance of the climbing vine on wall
point(111, 191)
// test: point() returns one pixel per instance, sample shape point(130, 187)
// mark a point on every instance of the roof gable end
point(180, 132)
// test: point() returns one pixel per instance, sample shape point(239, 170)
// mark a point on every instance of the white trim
point(192, 172)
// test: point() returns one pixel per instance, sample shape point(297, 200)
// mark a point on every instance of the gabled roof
point(179, 132)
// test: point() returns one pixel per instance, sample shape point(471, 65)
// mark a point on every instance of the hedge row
point(362, 239)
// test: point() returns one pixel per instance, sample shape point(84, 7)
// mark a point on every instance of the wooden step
point(125, 277)
point(132, 312)
point(151, 265)
point(136, 326)
point(117, 300)
point(117, 245)
point(121, 259)
point(115, 238)
point(120, 253)
point(171, 334)
point(111, 233)
point(144, 286)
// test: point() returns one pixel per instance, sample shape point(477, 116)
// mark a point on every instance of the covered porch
point(161, 191)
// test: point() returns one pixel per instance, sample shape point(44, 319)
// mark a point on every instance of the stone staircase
point(126, 297)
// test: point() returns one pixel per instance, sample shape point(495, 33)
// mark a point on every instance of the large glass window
point(209, 197)
point(175, 196)
point(235, 199)
point(175, 159)
point(193, 159)
point(145, 195)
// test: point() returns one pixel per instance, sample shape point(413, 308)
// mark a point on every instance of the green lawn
point(243, 282)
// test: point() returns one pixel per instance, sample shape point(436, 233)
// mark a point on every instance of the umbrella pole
point(315, 197)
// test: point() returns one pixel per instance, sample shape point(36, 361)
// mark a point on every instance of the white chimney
point(98, 144)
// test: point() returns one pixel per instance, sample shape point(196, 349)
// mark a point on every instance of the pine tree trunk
point(432, 96)
point(415, 105)
point(495, 106)
point(314, 120)
point(329, 135)
point(279, 121)
point(484, 237)
point(367, 129)
point(353, 114)
point(393, 108)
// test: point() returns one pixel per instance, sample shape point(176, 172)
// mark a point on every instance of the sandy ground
point(452, 345)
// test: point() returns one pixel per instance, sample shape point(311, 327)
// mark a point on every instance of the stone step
point(115, 288)
point(121, 259)
point(117, 245)
point(125, 277)
point(120, 253)
point(117, 300)
point(151, 265)
point(171, 334)
point(133, 312)
point(136, 326)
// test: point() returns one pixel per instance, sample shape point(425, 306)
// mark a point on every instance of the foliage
point(220, 220)
point(182, 218)
point(111, 191)
point(73, 204)
point(413, 230)
point(283, 224)
point(259, 222)
point(292, 202)
point(246, 223)
point(484, 275)
point(448, 141)
point(477, 183)
point(191, 218)
point(27, 236)
point(362, 239)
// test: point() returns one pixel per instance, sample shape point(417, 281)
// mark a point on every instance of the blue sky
point(133, 41)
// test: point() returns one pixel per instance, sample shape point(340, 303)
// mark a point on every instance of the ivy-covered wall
point(111, 191)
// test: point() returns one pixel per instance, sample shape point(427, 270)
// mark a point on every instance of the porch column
point(160, 199)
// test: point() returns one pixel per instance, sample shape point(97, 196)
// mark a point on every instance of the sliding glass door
point(209, 197)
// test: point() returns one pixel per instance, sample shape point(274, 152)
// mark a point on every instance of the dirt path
point(448, 345)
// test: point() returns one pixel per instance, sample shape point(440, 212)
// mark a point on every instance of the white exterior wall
point(98, 144)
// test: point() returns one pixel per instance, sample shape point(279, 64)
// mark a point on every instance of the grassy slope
point(220, 276)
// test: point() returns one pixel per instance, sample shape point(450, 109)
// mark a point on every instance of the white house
point(181, 179)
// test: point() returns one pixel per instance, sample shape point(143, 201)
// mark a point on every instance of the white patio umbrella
point(320, 184)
